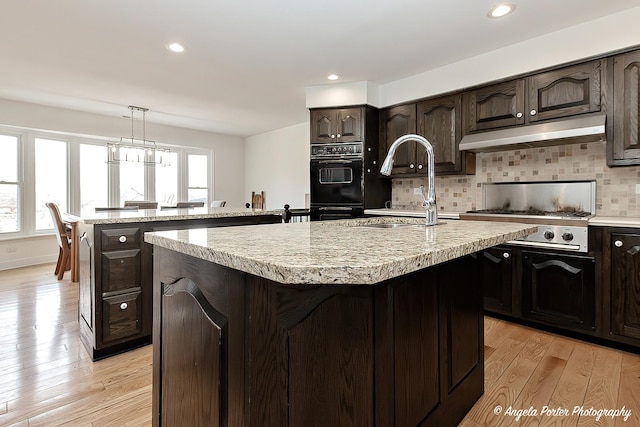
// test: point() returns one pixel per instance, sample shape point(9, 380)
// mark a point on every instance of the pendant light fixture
point(137, 150)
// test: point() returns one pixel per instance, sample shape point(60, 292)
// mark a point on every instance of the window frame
point(27, 172)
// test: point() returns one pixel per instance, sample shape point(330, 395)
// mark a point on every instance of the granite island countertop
point(151, 215)
point(338, 252)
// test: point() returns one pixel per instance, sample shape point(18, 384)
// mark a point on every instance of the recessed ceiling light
point(175, 47)
point(501, 10)
point(333, 76)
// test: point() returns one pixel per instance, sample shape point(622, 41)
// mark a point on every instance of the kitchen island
point(320, 324)
point(115, 269)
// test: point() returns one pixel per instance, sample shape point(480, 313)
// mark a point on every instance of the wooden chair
point(257, 200)
point(141, 204)
point(189, 204)
point(218, 203)
point(63, 235)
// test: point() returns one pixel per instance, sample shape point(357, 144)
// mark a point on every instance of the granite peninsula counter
point(115, 269)
point(320, 323)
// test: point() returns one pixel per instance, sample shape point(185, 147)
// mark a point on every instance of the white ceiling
point(247, 61)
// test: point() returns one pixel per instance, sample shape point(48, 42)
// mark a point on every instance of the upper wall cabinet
point(396, 122)
point(624, 146)
point(439, 120)
point(565, 92)
point(336, 125)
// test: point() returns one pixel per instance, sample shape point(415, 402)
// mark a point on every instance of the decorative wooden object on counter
point(257, 200)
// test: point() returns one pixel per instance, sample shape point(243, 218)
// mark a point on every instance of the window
point(50, 179)
point(167, 181)
point(9, 185)
point(197, 188)
point(94, 177)
point(131, 175)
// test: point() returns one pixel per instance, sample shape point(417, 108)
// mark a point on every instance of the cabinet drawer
point(121, 316)
point(120, 238)
point(121, 270)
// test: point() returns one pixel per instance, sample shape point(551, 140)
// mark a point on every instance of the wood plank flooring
point(47, 378)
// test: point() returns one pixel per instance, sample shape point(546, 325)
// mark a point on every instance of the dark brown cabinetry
point(250, 351)
point(556, 94)
point(439, 120)
point(336, 125)
point(556, 288)
point(624, 146)
point(497, 274)
point(559, 290)
point(115, 302)
point(621, 275)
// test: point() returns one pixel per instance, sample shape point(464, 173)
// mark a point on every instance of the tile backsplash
point(615, 187)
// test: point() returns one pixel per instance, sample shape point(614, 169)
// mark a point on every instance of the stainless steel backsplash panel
point(556, 196)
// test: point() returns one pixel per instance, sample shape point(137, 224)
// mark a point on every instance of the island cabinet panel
point(496, 272)
point(234, 349)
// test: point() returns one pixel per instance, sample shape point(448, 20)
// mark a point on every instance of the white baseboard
point(27, 262)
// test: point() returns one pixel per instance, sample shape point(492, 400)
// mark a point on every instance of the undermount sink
point(388, 225)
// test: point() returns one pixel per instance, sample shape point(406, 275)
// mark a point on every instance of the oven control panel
point(571, 238)
point(336, 150)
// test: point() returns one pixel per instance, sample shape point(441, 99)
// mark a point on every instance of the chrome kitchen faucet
point(428, 200)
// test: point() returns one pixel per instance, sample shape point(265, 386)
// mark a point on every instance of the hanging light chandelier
point(137, 150)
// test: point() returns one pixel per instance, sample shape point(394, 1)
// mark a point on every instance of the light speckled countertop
point(337, 252)
point(614, 221)
point(150, 215)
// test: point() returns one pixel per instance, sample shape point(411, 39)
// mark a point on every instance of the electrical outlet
point(11, 249)
point(417, 190)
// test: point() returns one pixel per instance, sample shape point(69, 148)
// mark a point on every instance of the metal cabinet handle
point(419, 166)
point(618, 243)
point(122, 239)
point(412, 165)
point(505, 255)
point(533, 112)
point(519, 115)
point(123, 306)
point(339, 135)
point(368, 170)
point(375, 163)
point(333, 135)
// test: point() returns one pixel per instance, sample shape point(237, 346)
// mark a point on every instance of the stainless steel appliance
point(548, 277)
point(561, 210)
point(337, 181)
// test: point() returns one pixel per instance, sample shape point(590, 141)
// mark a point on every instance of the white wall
point(228, 158)
point(277, 163)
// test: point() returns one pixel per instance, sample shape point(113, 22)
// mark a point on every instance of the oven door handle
point(335, 208)
point(564, 246)
point(335, 161)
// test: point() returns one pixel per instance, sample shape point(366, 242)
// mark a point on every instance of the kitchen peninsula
point(115, 269)
point(362, 322)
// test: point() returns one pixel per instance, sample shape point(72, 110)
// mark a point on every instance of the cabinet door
point(349, 125)
point(440, 122)
point(323, 126)
point(121, 271)
point(122, 316)
point(396, 122)
point(565, 92)
point(559, 289)
point(496, 272)
point(495, 106)
point(626, 102)
point(625, 285)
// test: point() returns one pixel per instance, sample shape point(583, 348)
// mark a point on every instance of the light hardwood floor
point(47, 378)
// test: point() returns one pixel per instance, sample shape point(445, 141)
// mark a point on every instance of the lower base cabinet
point(233, 349)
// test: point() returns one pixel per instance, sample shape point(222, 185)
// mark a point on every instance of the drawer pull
point(618, 243)
point(505, 255)
point(519, 115)
point(122, 239)
point(124, 306)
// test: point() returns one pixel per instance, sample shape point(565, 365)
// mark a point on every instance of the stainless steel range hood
point(572, 131)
